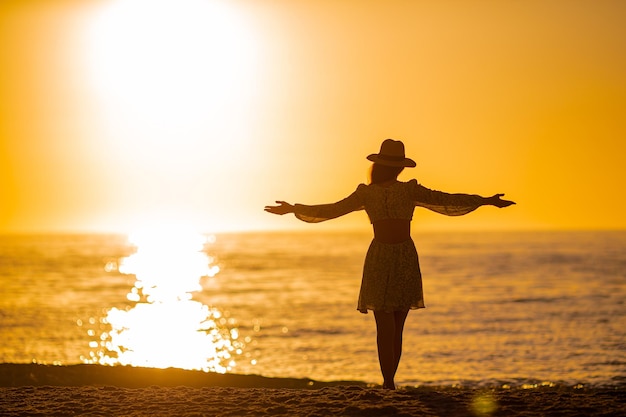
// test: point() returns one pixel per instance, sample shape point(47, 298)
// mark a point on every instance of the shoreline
point(40, 374)
point(16, 375)
point(96, 390)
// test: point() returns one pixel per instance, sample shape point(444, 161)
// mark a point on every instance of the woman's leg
point(399, 319)
point(385, 329)
point(389, 327)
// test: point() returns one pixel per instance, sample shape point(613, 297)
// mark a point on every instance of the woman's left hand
point(495, 200)
point(282, 208)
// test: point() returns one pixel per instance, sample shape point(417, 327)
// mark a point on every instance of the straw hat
point(392, 154)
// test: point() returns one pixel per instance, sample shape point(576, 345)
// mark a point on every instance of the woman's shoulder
point(411, 184)
point(362, 190)
point(376, 188)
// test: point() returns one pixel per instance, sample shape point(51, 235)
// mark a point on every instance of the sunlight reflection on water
point(165, 327)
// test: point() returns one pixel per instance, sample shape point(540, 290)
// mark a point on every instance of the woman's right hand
point(282, 208)
point(495, 200)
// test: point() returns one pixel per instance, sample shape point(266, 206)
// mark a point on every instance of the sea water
point(502, 308)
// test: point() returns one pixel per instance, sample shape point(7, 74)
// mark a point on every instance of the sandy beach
point(92, 390)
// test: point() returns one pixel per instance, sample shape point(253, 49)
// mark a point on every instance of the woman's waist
point(392, 230)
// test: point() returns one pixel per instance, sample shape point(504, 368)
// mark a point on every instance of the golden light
point(166, 327)
point(166, 72)
point(168, 264)
point(483, 404)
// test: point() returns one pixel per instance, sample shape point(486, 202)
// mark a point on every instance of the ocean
point(502, 308)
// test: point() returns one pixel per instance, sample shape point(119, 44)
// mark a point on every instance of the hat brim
point(406, 162)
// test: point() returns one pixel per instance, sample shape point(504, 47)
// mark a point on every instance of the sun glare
point(165, 327)
point(170, 66)
point(168, 264)
point(173, 85)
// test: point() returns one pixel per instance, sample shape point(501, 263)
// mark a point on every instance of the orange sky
point(117, 113)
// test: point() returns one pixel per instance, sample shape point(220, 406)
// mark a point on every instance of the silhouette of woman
point(392, 281)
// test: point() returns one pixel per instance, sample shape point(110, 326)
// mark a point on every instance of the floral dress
point(392, 280)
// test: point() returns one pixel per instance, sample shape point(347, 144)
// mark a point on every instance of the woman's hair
point(381, 173)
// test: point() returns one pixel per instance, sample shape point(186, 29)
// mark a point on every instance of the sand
point(92, 390)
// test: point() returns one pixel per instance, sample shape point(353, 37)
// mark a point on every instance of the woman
point(392, 281)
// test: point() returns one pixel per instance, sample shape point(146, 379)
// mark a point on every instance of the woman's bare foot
point(389, 386)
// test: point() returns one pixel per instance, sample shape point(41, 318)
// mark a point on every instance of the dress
point(391, 280)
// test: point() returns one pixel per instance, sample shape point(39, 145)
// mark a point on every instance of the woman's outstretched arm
point(319, 212)
point(454, 204)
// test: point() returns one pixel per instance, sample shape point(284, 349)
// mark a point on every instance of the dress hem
point(364, 311)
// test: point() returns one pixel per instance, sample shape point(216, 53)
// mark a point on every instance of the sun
point(166, 70)
point(174, 87)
